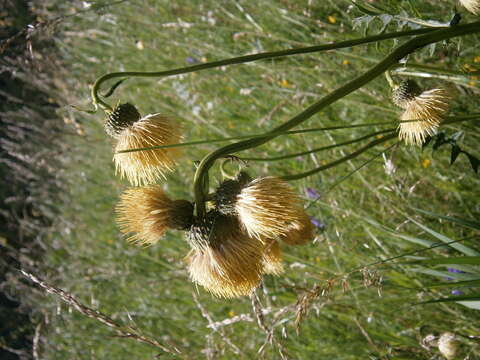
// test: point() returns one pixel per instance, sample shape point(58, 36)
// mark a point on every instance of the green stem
point(245, 59)
point(399, 53)
point(341, 160)
point(283, 157)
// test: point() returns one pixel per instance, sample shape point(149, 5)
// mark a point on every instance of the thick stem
point(341, 160)
point(245, 59)
point(323, 148)
point(353, 85)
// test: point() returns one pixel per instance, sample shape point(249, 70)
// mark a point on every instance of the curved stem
point(245, 59)
point(283, 157)
point(351, 86)
point(341, 160)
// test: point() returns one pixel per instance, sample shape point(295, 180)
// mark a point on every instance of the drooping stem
point(341, 160)
point(245, 59)
point(348, 88)
point(323, 148)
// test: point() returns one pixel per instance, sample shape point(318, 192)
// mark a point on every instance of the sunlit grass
point(149, 287)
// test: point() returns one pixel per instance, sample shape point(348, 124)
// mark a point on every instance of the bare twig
point(211, 325)
point(122, 331)
point(36, 340)
point(269, 331)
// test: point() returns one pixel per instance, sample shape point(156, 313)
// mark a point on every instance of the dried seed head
point(123, 116)
point(272, 258)
point(472, 5)
point(224, 259)
point(448, 345)
point(299, 232)
point(147, 213)
point(267, 206)
point(423, 111)
point(145, 167)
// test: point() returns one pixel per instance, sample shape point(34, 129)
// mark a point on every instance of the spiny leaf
point(474, 161)
point(455, 152)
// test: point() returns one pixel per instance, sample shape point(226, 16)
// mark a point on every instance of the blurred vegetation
point(365, 218)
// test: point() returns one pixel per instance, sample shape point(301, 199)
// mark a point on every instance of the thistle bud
point(123, 116)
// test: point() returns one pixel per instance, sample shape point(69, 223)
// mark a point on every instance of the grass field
point(367, 217)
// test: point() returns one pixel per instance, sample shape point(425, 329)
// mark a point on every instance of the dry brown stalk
point(269, 331)
point(211, 325)
point(121, 330)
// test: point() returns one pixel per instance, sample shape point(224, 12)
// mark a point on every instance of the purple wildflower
point(457, 292)
point(317, 223)
point(453, 270)
point(191, 60)
point(312, 193)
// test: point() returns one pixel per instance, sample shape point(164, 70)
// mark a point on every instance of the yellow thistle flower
point(423, 111)
point(272, 258)
point(267, 207)
point(147, 212)
point(224, 259)
point(472, 5)
point(132, 132)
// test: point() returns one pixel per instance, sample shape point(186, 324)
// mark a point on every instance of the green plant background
point(368, 217)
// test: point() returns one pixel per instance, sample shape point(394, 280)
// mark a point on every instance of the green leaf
point(472, 260)
point(467, 223)
point(446, 274)
point(470, 304)
point(466, 283)
point(459, 247)
point(475, 296)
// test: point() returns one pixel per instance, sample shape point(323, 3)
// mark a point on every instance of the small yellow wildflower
point(426, 163)
point(345, 62)
point(231, 313)
point(332, 19)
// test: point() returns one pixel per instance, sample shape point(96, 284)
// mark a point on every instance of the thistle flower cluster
point(236, 242)
point(423, 111)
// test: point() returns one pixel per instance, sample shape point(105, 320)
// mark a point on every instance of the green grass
point(367, 216)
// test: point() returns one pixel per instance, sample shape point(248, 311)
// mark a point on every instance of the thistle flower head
point(224, 259)
point(147, 212)
point(423, 111)
point(472, 5)
point(144, 167)
point(267, 206)
point(448, 345)
point(299, 232)
point(272, 258)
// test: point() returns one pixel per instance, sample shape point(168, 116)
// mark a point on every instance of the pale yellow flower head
point(224, 259)
point(145, 167)
point(269, 208)
point(147, 213)
point(272, 258)
point(472, 5)
point(423, 111)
